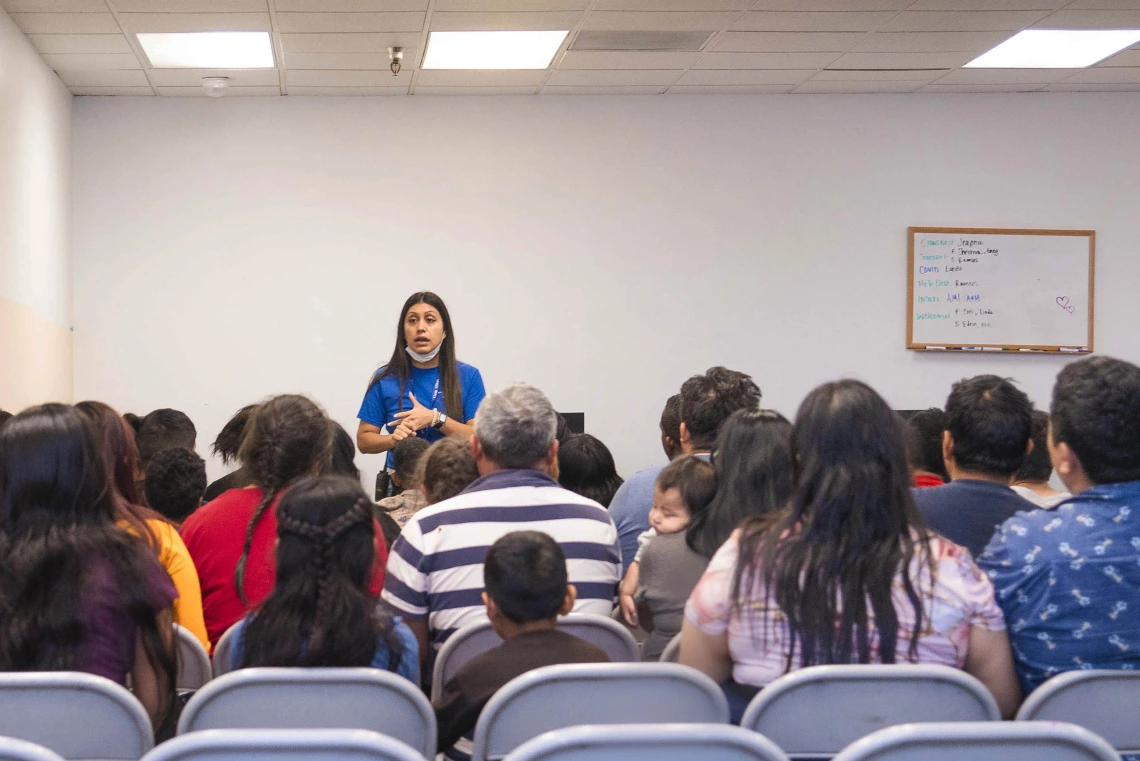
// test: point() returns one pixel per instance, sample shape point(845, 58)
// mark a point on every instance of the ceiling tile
point(1004, 76)
point(728, 90)
point(111, 91)
point(937, 88)
point(54, 6)
point(1071, 19)
point(1105, 87)
point(796, 21)
point(830, 5)
point(67, 62)
point(483, 78)
point(597, 78)
point(884, 86)
point(302, 23)
point(452, 21)
point(787, 78)
point(190, 6)
point(1124, 58)
point(474, 90)
point(195, 22)
point(1114, 75)
point(786, 42)
point(657, 20)
point(193, 77)
point(602, 90)
point(232, 92)
point(929, 42)
point(357, 91)
point(987, 5)
point(878, 75)
point(348, 6)
point(80, 43)
point(347, 61)
point(510, 6)
point(66, 23)
point(109, 78)
point(626, 59)
point(328, 78)
point(963, 21)
point(348, 43)
point(901, 60)
point(764, 60)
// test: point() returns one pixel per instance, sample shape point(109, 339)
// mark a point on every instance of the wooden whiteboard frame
point(910, 344)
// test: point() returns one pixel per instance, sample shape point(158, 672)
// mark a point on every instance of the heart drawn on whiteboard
point(1063, 302)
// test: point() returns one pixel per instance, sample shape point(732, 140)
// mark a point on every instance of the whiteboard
point(1000, 290)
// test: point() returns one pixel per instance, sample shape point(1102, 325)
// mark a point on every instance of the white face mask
point(428, 357)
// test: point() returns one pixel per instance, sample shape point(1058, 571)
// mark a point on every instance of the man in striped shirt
point(435, 569)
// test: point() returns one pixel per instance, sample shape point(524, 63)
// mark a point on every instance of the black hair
point(707, 401)
point(924, 431)
point(830, 561)
point(671, 418)
point(753, 461)
point(400, 364)
point(175, 483)
point(586, 467)
point(343, 461)
point(133, 420)
point(406, 457)
point(1096, 411)
point(164, 429)
point(694, 477)
point(447, 468)
point(562, 428)
point(990, 420)
point(5, 416)
point(228, 441)
point(525, 574)
point(319, 612)
point(1037, 468)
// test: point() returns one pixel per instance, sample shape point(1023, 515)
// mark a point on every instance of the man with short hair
point(1068, 579)
point(705, 403)
point(435, 569)
point(164, 429)
point(988, 421)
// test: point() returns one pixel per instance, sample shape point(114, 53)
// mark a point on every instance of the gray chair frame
point(473, 640)
point(988, 740)
point(221, 659)
point(284, 745)
point(662, 742)
point(672, 651)
point(556, 697)
point(12, 749)
point(75, 715)
point(1106, 702)
point(863, 698)
point(298, 698)
point(194, 668)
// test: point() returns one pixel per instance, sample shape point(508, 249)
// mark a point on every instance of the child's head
point(406, 458)
point(446, 469)
point(526, 582)
point(175, 483)
point(684, 488)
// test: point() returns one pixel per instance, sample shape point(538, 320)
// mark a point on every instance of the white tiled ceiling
point(339, 47)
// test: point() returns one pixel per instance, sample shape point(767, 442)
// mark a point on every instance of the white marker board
point(1000, 290)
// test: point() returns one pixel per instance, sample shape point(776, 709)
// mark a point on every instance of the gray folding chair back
point(314, 698)
point(465, 644)
point(556, 697)
point(284, 745)
point(12, 749)
point(1104, 702)
point(194, 668)
point(857, 700)
point(981, 741)
point(672, 651)
point(222, 660)
point(79, 716)
point(649, 742)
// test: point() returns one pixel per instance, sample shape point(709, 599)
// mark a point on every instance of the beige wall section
point(37, 358)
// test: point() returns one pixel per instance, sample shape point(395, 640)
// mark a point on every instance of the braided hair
point(319, 613)
point(287, 437)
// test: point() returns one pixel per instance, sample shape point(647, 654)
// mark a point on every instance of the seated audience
point(226, 446)
point(319, 612)
point(924, 447)
point(115, 446)
point(1032, 481)
point(406, 458)
point(875, 573)
point(78, 593)
point(433, 576)
point(1068, 579)
point(164, 429)
point(706, 402)
point(175, 483)
point(988, 422)
point(526, 590)
point(231, 538)
point(586, 467)
point(447, 468)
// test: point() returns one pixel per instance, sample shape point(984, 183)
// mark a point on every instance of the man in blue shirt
point(988, 425)
point(1068, 579)
point(703, 405)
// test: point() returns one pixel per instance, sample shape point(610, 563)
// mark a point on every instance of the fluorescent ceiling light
point(208, 50)
point(1056, 49)
point(492, 50)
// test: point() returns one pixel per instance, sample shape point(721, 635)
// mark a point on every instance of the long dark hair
point(286, 438)
point(57, 530)
point(586, 467)
point(228, 442)
point(753, 460)
point(400, 365)
point(319, 613)
point(850, 529)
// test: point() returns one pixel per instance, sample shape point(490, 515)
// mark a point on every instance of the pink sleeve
point(710, 601)
point(974, 589)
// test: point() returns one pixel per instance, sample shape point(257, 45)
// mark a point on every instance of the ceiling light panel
point(208, 50)
point(492, 50)
point(1056, 49)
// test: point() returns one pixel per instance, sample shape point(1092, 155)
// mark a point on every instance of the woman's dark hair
point(924, 431)
point(1037, 467)
point(58, 528)
point(753, 460)
point(319, 612)
point(829, 561)
point(400, 365)
point(586, 467)
point(343, 452)
point(447, 468)
point(228, 442)
point(288, 436)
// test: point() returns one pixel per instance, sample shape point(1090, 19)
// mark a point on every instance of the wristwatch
point(441, 421)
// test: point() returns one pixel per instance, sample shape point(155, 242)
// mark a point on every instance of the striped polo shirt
point(435, 568)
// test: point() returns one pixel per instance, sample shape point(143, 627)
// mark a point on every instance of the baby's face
point(669, 514)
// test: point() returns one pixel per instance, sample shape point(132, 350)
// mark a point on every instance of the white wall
point(35, 218)
point(601, 248)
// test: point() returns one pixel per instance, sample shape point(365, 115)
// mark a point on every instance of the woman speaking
point(422, 391)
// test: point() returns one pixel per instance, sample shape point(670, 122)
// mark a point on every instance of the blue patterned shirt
point(1068, 581)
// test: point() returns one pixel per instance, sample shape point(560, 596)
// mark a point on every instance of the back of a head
point(990, 420)
point(446, 469)
point(164, 429)
point(694, 477)
point(175, 483)
point(286, 438)
point(343, 455)
point(586, 467)
point(924, 441)
point(708, 400)
point(1037, 467)
point(516, 426)
point(670, 422)
point(114, 440)
point(406, 457)
point(5, 416)
point(228, 442)
point(525, 575)
point(1096, 411)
